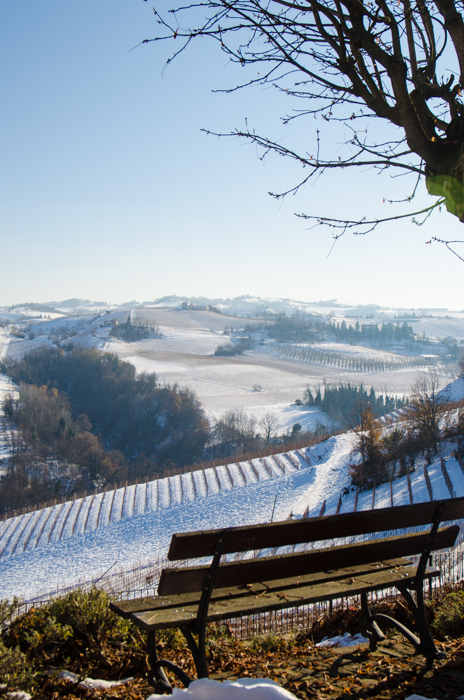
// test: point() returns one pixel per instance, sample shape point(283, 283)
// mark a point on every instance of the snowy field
point(439, 327)
point(231, 383)
point(80, 540)
point(6, 387)
point(358, 351)
point(261, 381)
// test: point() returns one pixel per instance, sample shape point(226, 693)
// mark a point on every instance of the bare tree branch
point(448, 244)
point(347, 60)
point(345, 225)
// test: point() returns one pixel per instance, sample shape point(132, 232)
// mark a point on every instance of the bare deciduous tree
point(401, 61)
point(269, 425)
point(427, 408)
point(370, 467)
point(235, 432)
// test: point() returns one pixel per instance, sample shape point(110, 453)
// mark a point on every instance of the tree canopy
point(130, 413)
point(400, 61)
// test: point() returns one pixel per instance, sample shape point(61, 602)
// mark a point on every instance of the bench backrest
point(299, 564)
point(191, 545)
point(241, 539)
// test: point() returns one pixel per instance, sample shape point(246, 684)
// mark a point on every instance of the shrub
point(15, 671)
point(449, 618)
point(80, 623)
point(269, 643)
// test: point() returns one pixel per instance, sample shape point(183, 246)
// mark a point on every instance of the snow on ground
point(230, 383)
point(191, 341)
point(80, 540)
point(356, 351)
point(455, 390)
point(438, 327)
point(5, 340)
point(241, 689)
point(183, 319)
point(286, 415)
point(223, 384)
point(6, 387)
point(184, 355)
point(343, 640)
point(208, 689)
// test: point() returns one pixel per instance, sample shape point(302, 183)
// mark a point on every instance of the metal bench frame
point(202, 590)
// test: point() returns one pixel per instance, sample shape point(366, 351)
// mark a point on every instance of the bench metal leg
point(198, 651)
point(425, 644)
point(157, 676)
point(422, 642)
point(370, 627)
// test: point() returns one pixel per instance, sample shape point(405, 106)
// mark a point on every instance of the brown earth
point(392, 671)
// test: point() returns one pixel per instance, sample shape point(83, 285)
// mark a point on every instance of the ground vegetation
point(93, 409)
point(383, 451)
point(131, 332)
point(78, 633)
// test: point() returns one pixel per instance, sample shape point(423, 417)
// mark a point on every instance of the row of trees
point(340, 402)
point(237, 433)
point(386, 333)
point(296, 330)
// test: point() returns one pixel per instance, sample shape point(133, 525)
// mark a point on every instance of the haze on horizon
point(110, 191)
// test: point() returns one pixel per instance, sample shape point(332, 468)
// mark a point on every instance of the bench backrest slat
point(191, 545)
point(271, 568)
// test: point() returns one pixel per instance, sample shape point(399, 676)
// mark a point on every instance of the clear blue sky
point(110, 191)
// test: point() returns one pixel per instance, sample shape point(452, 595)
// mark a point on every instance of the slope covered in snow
point(81, 540)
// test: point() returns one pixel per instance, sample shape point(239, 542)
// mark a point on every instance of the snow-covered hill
point(80, 540)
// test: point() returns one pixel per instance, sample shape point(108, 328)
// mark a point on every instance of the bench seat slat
point(191, 545)
point(189, 580)
point(126, 607)
point(277, 599)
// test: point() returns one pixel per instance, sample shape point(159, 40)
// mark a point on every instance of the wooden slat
point(126, 607)
point(276, 599)
point(268, 568)
point(241, 539)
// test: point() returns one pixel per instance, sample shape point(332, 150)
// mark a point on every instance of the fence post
point(446, 477)
point(428, 484)
point(460, 460)
point(408, 477)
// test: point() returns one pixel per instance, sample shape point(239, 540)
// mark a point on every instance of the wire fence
point(142, 581)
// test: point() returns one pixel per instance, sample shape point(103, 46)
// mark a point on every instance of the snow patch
point(241, 689)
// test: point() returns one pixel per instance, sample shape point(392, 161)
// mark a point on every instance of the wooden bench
point(189, 598)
